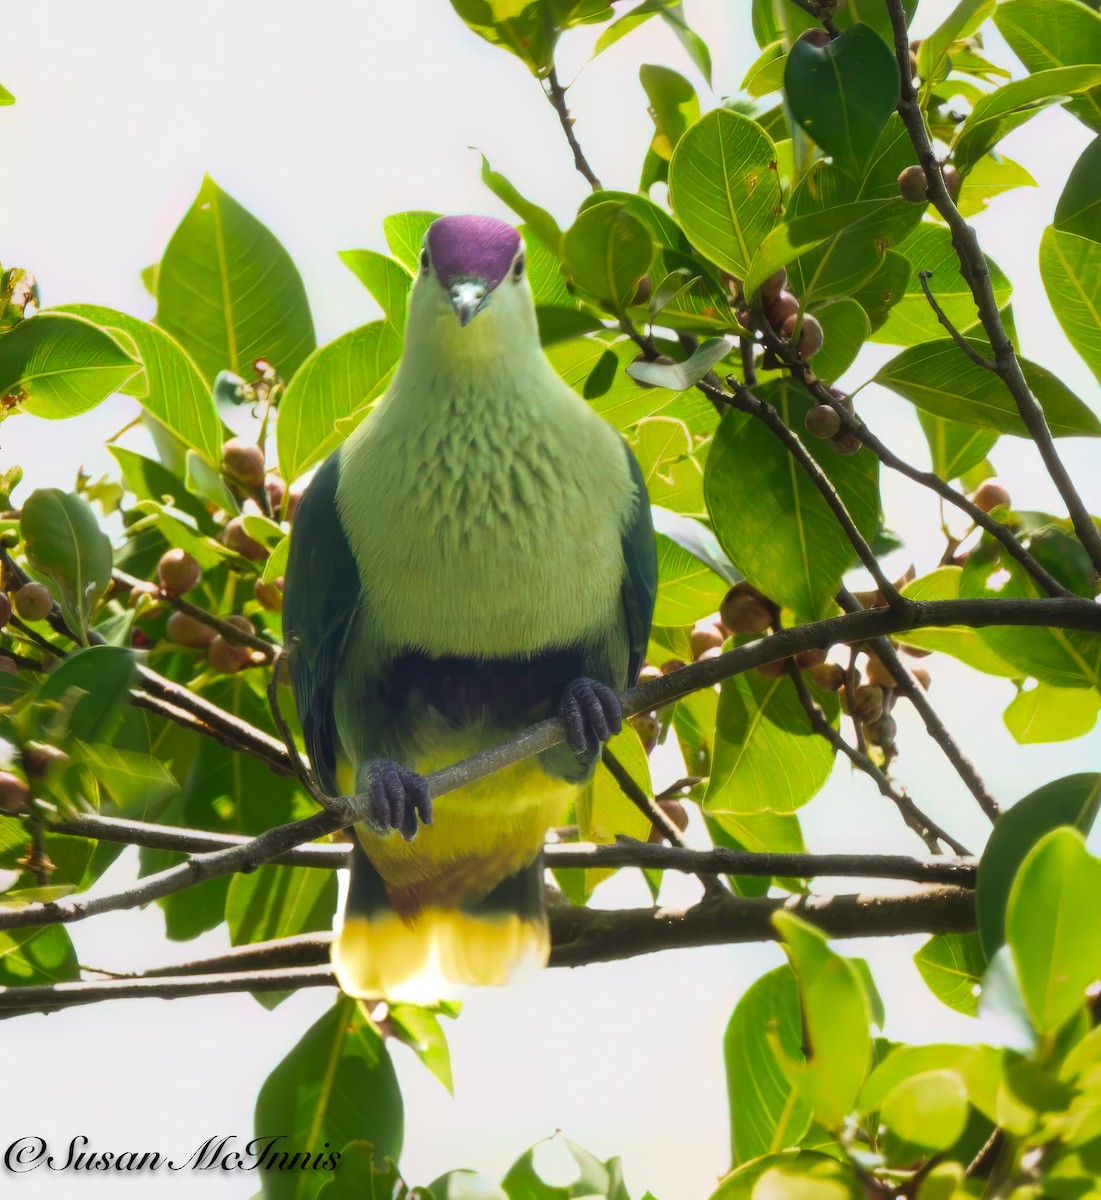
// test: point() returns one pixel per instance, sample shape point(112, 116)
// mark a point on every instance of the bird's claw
point(398, 797)
point(591, 714)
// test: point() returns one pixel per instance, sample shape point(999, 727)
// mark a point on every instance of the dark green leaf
point(1079, 207)
point(843, 93)
point(335, 385)
point(65, 543)
point(336, 1086)
point(766, 1111)
point(883, 290)
point(607, 250)
point(769, 516)
point(1070, 267)
point(845, 328)
point(229, 293)
point(1073, 800)
point(939, 378)
point(955, 448)
point(595, 1179)
point(724, 188)
point(56, 365)
point(92, 684)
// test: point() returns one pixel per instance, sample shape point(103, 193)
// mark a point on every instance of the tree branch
point(556, 94)
point(977, 274)
point(957, 337)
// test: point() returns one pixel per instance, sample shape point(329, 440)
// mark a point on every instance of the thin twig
point(556, 94)
point(301, 768)
point(977, 273)
point(957, 337)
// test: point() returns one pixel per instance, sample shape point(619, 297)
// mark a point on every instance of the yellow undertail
point(383, 957)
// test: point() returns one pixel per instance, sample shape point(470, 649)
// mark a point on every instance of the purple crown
point(478, 247)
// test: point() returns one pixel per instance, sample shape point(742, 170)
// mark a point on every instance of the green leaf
point(961, 22)
point(990, 177)
point(674, 107)
point(460, 1185)
point(687, 588)
point(939, 378)
point(766, 1112)
point(697, 539)
point(92, 684)
point(277, 902)
point(420, 1029)
point(64, 542)
point(843, 93)
point(767, 73)
point(979, 1067)
point(336, 1085)
point(792, 1175)
point(404, 233)
point(360, 1177)
point(1070, 267)
point(664, 449)
point(767, 757)
point(607, 250)
point(6, 97)
point(386, 279)
point(1002, 111)
point(836, 1038)
point(1053, 926)
point(595, 1181)
point(878, 294)
point(36, 956)
point(927, 1110)
point(955, 448)
point(929, 248)
point(952, 965)
point(336, 383)
point(148, 479)
point(769, 516)
point(537, 219)
point(1079, 207)
point(1055, 33)
point(724, 188)
point(229, 293)
point(845, 328)
point(1073, 800)
point(55, 365)
point(170, 387)
point(679, 376)
point(1052, 714)
point(137, 782)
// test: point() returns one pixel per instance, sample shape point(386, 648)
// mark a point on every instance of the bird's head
point(471, 289)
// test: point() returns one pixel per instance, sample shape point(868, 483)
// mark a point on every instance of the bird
point(478, 555)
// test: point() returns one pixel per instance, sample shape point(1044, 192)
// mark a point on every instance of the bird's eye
point(424, 260)
point(518, 267)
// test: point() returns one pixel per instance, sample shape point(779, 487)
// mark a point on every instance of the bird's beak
point(467, 298)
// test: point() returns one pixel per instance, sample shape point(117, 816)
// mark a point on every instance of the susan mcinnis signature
point(218, 1153)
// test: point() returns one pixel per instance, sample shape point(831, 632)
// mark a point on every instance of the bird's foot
point(591, 714)
point(397, 798)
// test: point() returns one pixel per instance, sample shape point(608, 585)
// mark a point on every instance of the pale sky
point(322, 124)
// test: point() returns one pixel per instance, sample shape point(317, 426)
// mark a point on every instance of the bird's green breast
point(485, 515)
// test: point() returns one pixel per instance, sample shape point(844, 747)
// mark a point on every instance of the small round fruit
point(780, 308)
point(705, 636)
point(225, 656)
point(774, 670)
point(868, 702)
point(951, 181)
point(648, 727)
point(243, 461)
point(774, 285)
point(648, 673)
point(15, 796)
point(5, 609)
point(235, 537)
point(989, 495)
point(922, 676)
point(270, 595)
point(38, 757)
point(184, 630)
point(810, 338)
point(845, 442)
point(241, 623)
point(878, 673)
point(912, 185)
point(32, 602)
point(745, 610)
point(276, 490)
point(829, 676)
point(643, 291)
point(178, 572)
point(676, 812)
point(822, 421)
point(671, 665)
point(8, 665)
point(805, 660)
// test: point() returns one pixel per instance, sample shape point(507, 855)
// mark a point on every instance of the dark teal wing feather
point(640, 582)
point(321, 599)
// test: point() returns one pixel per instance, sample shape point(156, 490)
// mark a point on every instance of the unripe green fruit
point(178, 572)
point(226, 657)
point(845, 442)
point(829, 676)
point(745, 610)
point(912, 185)
point(187, 631)
point(822, 421)
point(810, 338)
point(235, 537)
point(32, 602)
point(5, 609)
point(38, 757)
point(989, 495)
point(243, 461)
point(15, 796)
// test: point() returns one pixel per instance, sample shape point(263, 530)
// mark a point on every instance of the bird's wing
point(640, 582)
point(320, 603)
